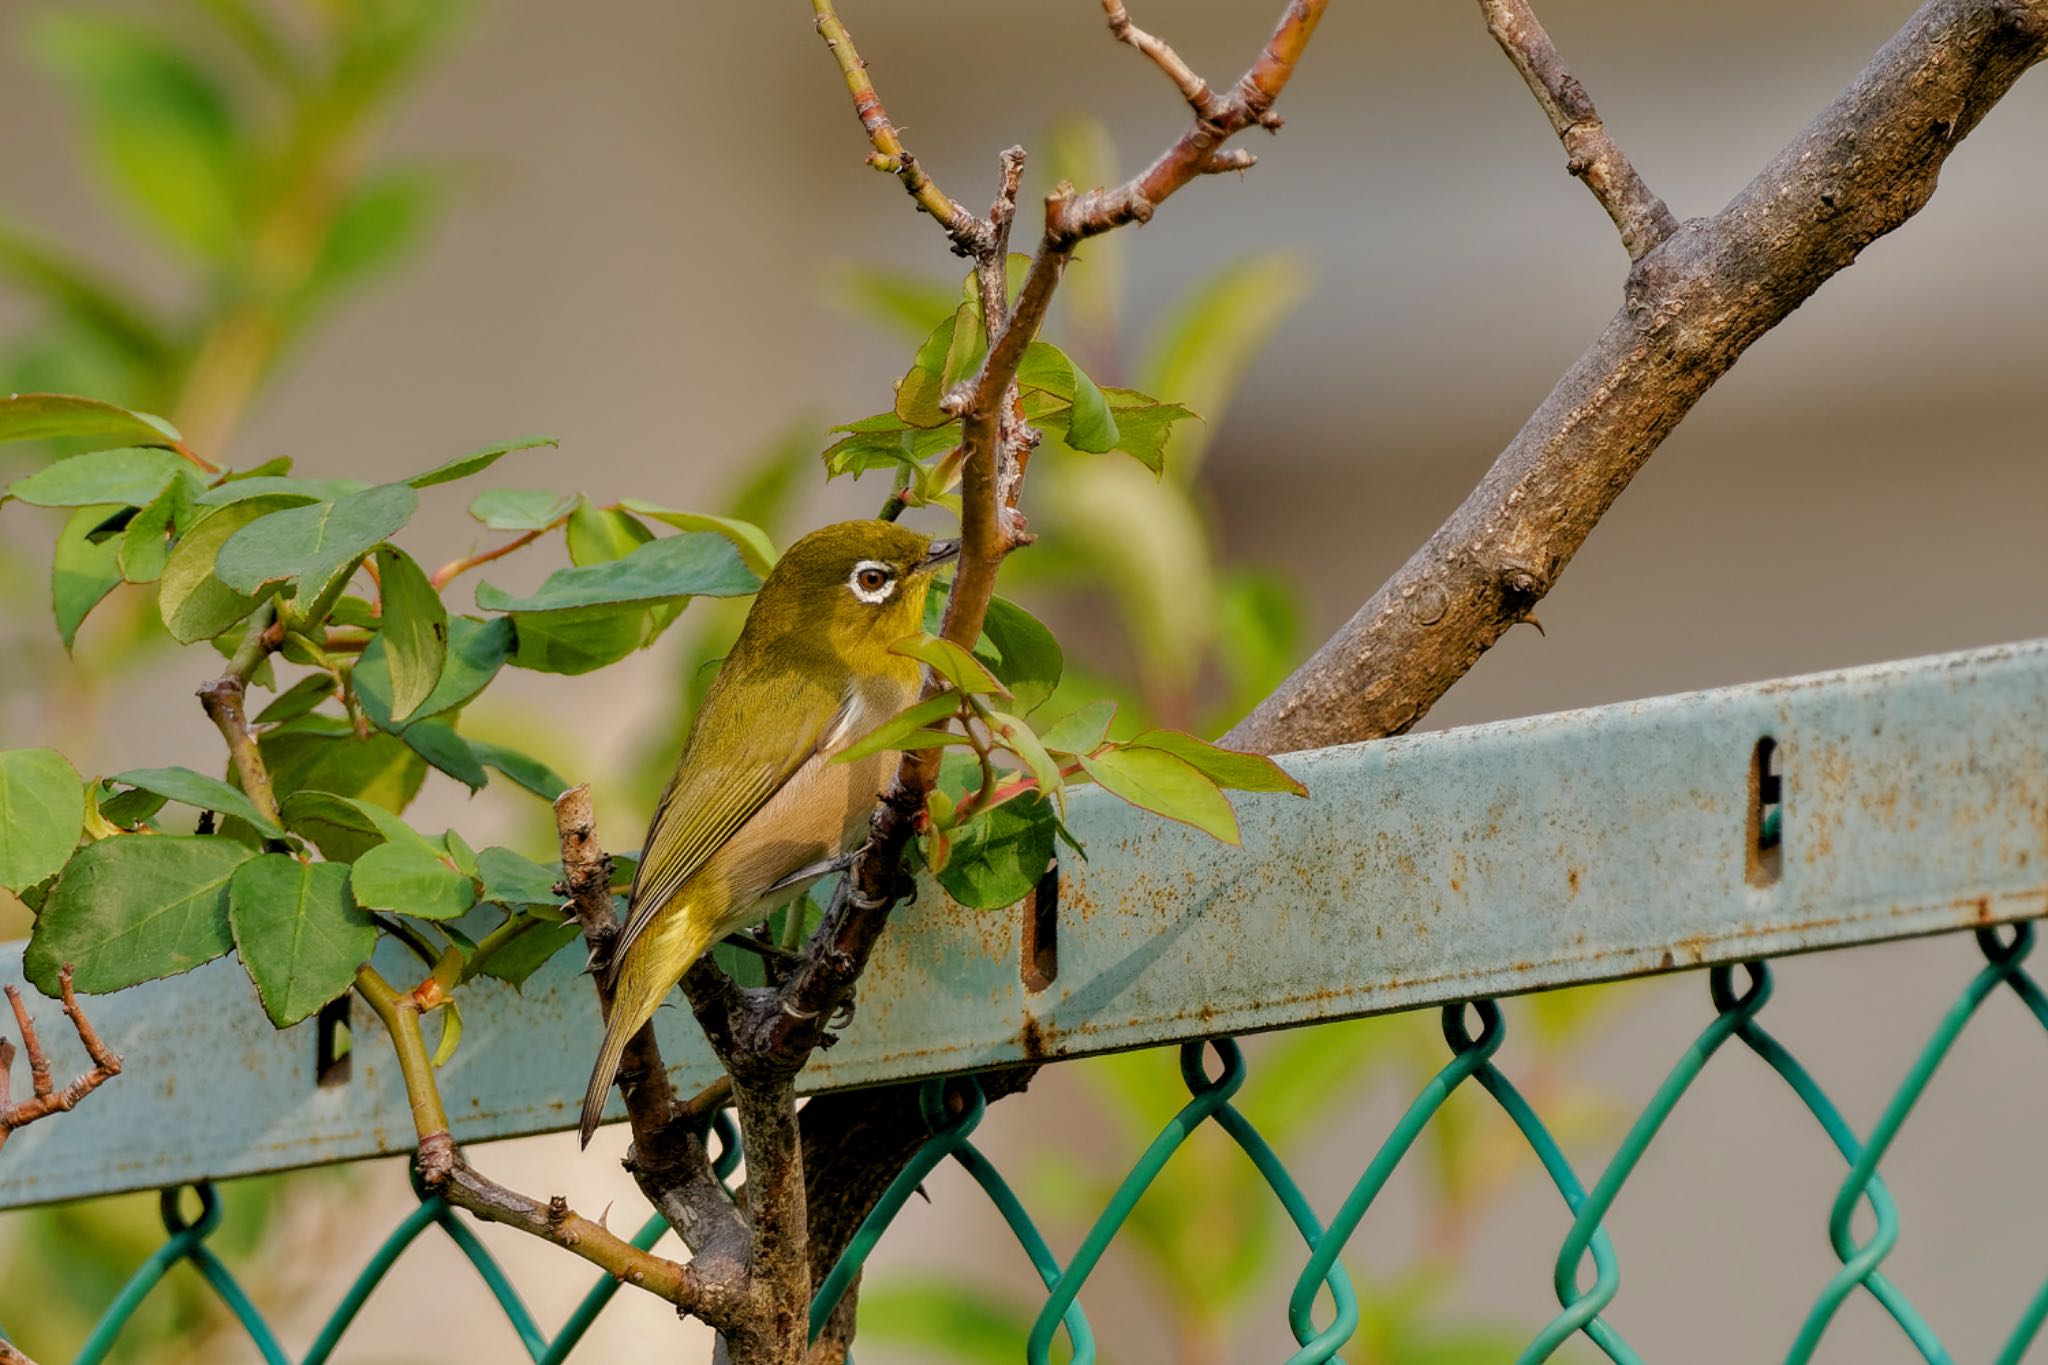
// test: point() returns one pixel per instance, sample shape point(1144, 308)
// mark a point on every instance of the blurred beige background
point(660, 193)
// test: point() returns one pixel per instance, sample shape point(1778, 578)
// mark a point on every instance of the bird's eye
point(872, 582)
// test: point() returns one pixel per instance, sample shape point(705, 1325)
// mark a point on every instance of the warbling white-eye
point(756, 810)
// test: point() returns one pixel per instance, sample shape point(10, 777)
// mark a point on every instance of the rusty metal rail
point(1708, 828)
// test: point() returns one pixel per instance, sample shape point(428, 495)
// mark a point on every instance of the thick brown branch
point(968, 234)
point(1590, 153)
point(45, 1098)
point(1859, 170)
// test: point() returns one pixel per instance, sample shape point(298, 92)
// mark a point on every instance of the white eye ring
point(873, 596)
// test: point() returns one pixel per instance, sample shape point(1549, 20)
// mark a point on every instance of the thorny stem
point(223, 699)
point(46, 1099)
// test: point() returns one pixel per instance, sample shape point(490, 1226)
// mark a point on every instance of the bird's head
point(856, 587)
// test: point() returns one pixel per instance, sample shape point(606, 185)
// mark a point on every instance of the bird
point(757, 810)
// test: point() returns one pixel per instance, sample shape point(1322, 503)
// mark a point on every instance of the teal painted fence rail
point(1902, 799)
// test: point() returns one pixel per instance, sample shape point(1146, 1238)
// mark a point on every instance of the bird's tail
point(643, 977)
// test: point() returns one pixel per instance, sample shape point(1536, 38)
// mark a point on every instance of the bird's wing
point(768, 731)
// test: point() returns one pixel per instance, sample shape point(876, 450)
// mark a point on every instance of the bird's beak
point(940, 552)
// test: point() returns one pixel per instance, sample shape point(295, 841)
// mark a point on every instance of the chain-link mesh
point(953, 1108)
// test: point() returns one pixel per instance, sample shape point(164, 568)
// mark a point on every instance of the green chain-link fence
point(1323, 1307)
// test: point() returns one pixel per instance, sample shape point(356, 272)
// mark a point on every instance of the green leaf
point(135, 908)
point(532, 950)
point(752, 542)
point(384, 217)
point(60, 416)
point(459, 850)
point(193, 601)
point(528, 772)
point(451, 1030)
point(264, 485)
point(162, 125)
point(942, 361)
point(146, 543)
point(905, 725)
point(316, 547)
point(476, 461)
point(1026, 744)
point(999, 855)
point(415, 634)
point(476, 651)
point(521, 509)
point(412, 877)
point(303, 695)
point(1080, 731)
point(1225, 767)
point(1155, 780)
point(951, 662)
point(338, 827)
point(199, 791)
point(886, 440)
point(82, 571)
point(1090, 424)
point(1029, 659)
point(516, 881)
point(598, 535)
point(300, 933)
point(693, 564)
point(576, 641)
point(123, 810)
point(321, 753)
point(437, 742)
point(42, 811)
point(129, 477)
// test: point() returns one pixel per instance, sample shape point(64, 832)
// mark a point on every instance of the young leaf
point(1090, 426)
point(528, 772)
point(200, 791)
point(693, 564)
point(451, 1027)
point(146, 543)
point(1155, 780)
point(460, 852)
point(300, 698)
point(951, 662)
point(123, 478)
point(1225, 767)
point(337, 826)
point(530, 951)
point(940, 363)
point(598, 535)
point(134, 908)
point(886, 441)
point(299, 932)
point(1029, 659)
point(121, 810)
point(752, 542)
point(317, 546)
point(42, 810)
point(82, 570)
point(476, 461)
point(520, 509)
point(1080, 731)
point(413, 878)
point(1144, 424)
point(904, 726)
point(415, 634)
point(517, 882)
point(61, 416)
point(476, 650)
point(437, 742)
point(1027, 746)
point(193, 601)
point(998, 856)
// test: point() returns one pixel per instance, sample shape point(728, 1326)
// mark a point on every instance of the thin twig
point(1192, 87)
point(223, 699)
point(1644, 221)
point(967, 232)
point(447, 572)
point(46, 1099)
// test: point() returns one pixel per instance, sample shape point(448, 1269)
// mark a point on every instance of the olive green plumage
point(756, 807)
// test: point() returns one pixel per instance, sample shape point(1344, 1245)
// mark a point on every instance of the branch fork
point(45, 1098)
